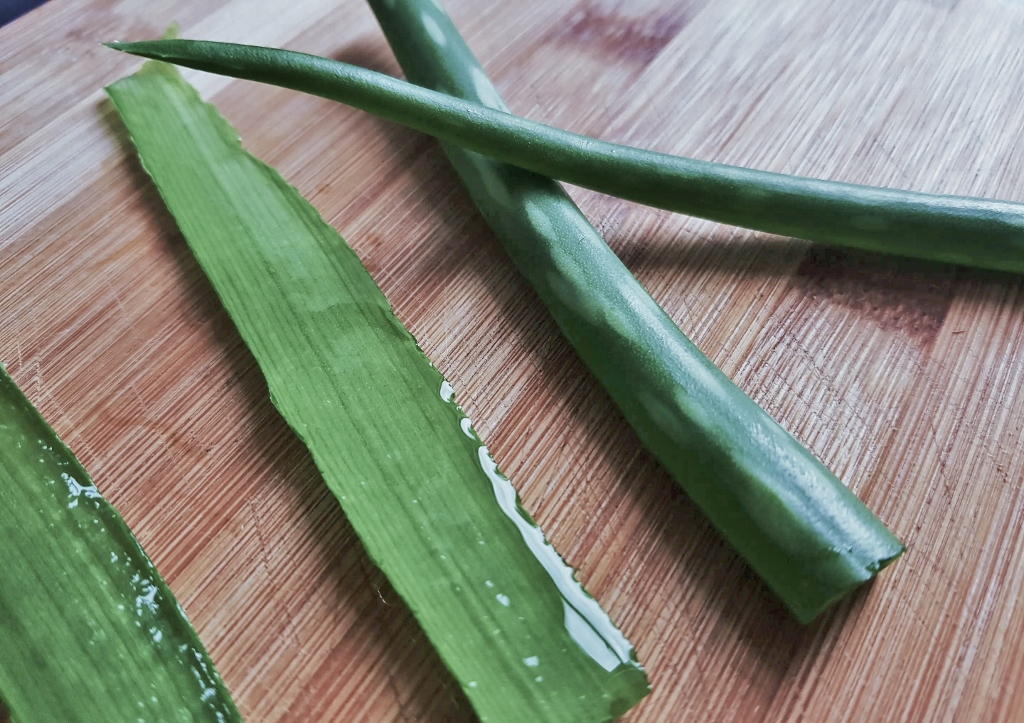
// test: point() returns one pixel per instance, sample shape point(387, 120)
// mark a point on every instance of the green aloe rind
point(957, 229)
point(805, 533)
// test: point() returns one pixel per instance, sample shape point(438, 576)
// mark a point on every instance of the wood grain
point(904, 377)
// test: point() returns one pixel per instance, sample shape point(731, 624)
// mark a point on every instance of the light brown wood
point(904, 377)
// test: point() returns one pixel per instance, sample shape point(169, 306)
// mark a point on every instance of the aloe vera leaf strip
point(783, 510)
point(89, 630)
point(520, 635)
point(955, 229)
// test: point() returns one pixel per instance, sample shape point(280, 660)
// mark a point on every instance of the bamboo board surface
point(903, 377)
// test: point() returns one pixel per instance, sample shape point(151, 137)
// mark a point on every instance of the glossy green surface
point(800, 528)
point(969, 231)
point(89, 631)
point(520, 634)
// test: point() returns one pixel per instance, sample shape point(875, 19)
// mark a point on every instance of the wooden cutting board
point(904, 377)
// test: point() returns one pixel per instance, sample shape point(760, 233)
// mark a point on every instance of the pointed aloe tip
point(146, 48)
point(137, 48)
point(140, 48)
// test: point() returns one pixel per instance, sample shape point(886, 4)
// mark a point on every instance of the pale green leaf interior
point(519, 633)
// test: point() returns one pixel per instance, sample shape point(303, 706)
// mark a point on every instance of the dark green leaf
point(89, 631)
point(970, 231)
point(802, 531)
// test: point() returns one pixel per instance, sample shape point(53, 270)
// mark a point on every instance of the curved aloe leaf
point(956, 229)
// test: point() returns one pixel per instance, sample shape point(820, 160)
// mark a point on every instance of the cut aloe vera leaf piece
point(521, 636)
point(953, 229)
point(808, 536)
point(89, 631)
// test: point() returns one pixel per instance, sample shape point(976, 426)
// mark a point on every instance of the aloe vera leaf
point(807, 535)
point(955, 229)
point(506, 614)
point(89, 630)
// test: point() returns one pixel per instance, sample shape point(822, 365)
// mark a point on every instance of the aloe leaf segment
point(969, 231)
point(506, 614)
point(89, 630)
point(800, 528)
